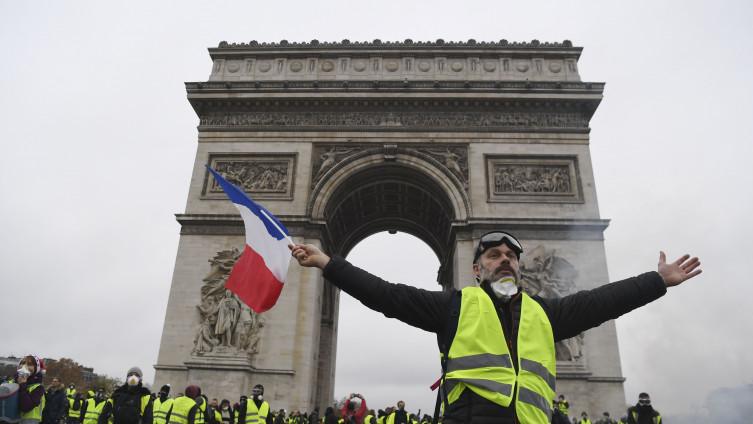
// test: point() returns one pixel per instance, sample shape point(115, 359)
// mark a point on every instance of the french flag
point(259, 274)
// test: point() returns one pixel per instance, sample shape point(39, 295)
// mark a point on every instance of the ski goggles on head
point(494, 239)
point(644, 402)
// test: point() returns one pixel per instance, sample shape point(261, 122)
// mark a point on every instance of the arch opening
point(390, 197)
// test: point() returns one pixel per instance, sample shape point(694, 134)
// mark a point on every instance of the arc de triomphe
point(442, 140)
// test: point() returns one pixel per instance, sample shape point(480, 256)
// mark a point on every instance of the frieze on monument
point(263, 176)
point(438, 60)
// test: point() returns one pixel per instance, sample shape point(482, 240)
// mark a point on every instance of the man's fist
point(308, 255)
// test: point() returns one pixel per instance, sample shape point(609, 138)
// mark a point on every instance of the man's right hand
point(309, 255)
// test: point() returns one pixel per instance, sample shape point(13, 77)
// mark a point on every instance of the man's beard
point(489, 276)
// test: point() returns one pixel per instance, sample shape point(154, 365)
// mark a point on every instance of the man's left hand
point(678, 271)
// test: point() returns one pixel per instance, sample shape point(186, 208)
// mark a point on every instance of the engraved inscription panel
point(533, 179)
point(261, 176)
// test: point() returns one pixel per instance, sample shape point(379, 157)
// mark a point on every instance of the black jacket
point(125, 406)
point(430, 310)
point(645, 414)
point(55, 407)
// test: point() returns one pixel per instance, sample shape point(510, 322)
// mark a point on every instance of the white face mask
point(133, 380)
point(504, 288)
point(24, 370)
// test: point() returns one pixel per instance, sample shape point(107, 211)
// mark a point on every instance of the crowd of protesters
point(26, 401)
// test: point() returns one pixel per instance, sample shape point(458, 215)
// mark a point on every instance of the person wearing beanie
point(31, 400)
point(184, 408)
point(162, 405)
point(130, 403)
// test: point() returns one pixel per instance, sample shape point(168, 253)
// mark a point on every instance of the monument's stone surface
point(443, 140)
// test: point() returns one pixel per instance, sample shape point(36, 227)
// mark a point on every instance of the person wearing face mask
point(70, 392)
point(161, 405)
point(226, 412)
point(256, 410)
point(129, 403)
point(56, 403)
point(31, 399)
point(584, 418)
point(496, 341)
point(643, 412)
point(93, 407)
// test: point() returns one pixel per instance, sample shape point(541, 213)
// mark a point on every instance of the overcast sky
point(98, 143)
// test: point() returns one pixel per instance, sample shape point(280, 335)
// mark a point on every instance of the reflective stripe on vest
point(200, 412)
point(161, 409)
point(93, 411)
point(36, 412)
point(74, 413)
point(479, 358)
point(254, 415)
point(181, 407)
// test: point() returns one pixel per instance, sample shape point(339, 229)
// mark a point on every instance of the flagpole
point(276, 226)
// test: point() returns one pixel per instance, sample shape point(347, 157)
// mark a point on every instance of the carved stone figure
point(225, 325)
point(228, 312)
point(254, 175)
point(452, 161)
point(329, 159)
point(550, 276)
point(531, 179)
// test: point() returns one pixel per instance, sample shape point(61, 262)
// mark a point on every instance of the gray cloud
point(98, 142)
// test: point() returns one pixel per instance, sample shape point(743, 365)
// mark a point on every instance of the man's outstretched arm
point(586, 309)
point(417, 307)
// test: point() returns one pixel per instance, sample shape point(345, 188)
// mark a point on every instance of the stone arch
point(407, 191)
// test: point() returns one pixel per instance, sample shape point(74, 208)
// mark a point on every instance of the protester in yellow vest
point(161, 405)
point(130, 403)
point(369, 418)
point(93, 407)
point(184, 408)
point(75, 406)
point(643, 411)
point(256, 410)
point(584, 418)
point(399, 415)
point(31, 398)
point(71, 391)
point(496, 341)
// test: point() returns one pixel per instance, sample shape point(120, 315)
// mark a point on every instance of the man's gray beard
point(488, 275)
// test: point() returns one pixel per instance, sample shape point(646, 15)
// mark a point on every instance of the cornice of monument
point(378, 44)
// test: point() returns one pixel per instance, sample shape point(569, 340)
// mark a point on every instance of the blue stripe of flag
point(238, 197)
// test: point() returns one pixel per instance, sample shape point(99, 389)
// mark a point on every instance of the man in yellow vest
point(71, 391)
point(75, 406)
point(399, 415)
point(643, 412)
point(496, 341)
point(161, 405)
point(369, 418)
point(255, 410)
point(584, 418)
point(93, 407)
point(184, 407)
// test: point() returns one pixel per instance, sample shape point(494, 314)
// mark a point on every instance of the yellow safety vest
point(200, 411)
point(93, 411)
point(181, 407)
point(74, 413)
point(380, 420)
point(562, 406)
point(160, 410)
point(585, 421)
point(479, 359)
point(367, 419)
point(70, 392)
point(255, 416)
point(36, 412)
